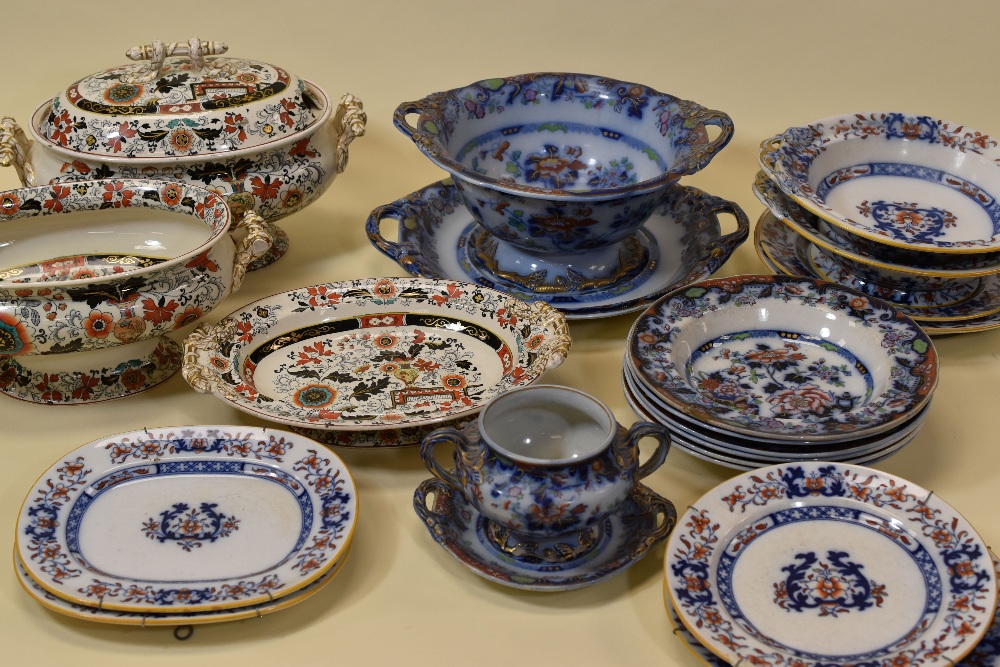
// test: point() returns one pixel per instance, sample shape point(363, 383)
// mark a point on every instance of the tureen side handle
point(349, 122)
point(204, 338)
point(14, 145)
point(258, 240)
point(558, 341)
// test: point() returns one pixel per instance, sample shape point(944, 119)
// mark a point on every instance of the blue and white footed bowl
point(559, 163)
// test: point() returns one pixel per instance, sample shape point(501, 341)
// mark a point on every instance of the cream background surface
point(400, 598)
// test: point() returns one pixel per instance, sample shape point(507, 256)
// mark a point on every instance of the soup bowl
point(95, 274)
point(560, 164)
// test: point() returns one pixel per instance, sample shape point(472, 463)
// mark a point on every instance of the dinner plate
point(682, 237)
point(821, 563)
point(903, 180)
point(932, 327)
point(788, 357)
point(986, 653)
point(739, 460)
point(374, 354)
point(795, 255)
point(858, 249)
point(624, 538)
point(761, 448)
point(187, 518)
point(153, 619)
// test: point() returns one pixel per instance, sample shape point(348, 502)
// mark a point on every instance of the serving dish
point(185, 519)
point(556, 165)
point(497, 554)
point(792, 357)
point(795, 255)
point(683, 240)
point(265, 139)
point(374, 354)
point(94, 276)
point(863, 251)
point(828, 564)
point(902, 180)
point(176, 618)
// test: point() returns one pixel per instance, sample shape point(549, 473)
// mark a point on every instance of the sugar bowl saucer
point(557, 564)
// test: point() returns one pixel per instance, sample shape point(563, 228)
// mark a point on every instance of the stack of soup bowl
point(902, 207)
point(752, 370)
point(559, 173)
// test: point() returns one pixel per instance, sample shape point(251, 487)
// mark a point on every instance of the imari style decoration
point(790, 357)
point(902, 180)
point(818, 563)
point(94, 275)
point(375, 354)
point(187, 519)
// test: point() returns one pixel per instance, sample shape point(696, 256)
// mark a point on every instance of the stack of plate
point(823, 564)
point(898, 206)
point(186, 525)
point(752, 370)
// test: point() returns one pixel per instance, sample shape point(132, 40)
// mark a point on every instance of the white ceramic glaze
point(183, 519)
point(790, 357)
point(95, 275)
point(375, 354)
point(899, 179)
point(822, 563)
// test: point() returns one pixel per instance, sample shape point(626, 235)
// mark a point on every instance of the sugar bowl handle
point(627, 449)
point(349, 121)
point(470, 454)
point(158, 51)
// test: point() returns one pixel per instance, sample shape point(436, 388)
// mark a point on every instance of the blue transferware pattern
point(793, 254)
point(562, 162)
point(563, 563)
point(669, 338)
point(929, 206)
point(832, 586)
point(541, 500)
point(789, 509)
point(54, 545)
point(189, 527)
point(682, 240)
point(859, 249)
point(174, 618)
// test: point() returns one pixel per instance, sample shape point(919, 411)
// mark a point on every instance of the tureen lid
point(186, 100)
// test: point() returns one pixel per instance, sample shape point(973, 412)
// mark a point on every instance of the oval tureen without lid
point(187, 101)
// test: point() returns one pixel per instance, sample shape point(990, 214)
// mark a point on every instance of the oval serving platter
point(375, 354)
point(829, 564)
point(187, 519)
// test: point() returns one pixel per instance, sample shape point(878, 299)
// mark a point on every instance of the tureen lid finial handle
point(156, 52)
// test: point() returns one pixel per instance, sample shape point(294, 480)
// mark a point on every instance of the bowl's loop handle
point(204, 339)
point(448, 436)
point(258, 240)
point(14, 145)
point(657, 506)
point(722, 248)
point(627, 449)
point(432, 516)
point(694, 115)
point(399, 252)
point(158, 51)
point(350, 121)
point(399, 118)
